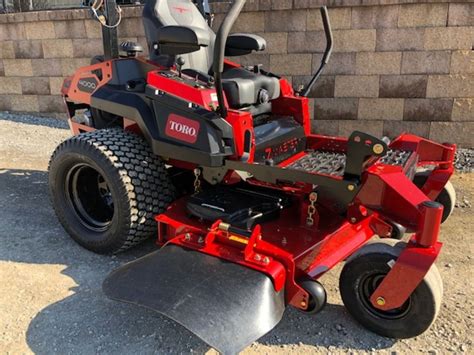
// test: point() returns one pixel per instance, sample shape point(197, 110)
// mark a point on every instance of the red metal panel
point(406, 274)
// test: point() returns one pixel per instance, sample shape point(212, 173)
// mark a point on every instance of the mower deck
point(288, 235)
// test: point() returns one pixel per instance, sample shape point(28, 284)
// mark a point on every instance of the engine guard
point(226, 305)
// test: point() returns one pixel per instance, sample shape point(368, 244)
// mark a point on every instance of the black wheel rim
point(90, 197)
point(367, 287)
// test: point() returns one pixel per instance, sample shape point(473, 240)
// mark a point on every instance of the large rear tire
point(361, 275)
point(106, 187)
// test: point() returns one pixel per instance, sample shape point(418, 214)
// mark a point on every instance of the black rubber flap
point(227, 305)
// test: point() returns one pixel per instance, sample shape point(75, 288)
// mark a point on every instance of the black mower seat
point(245, 88)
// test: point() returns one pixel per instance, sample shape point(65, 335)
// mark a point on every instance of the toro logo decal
point(87, 84)
point(182, 128)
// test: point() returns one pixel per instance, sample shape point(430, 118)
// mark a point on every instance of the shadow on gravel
point(87, 322)
point(34, 120)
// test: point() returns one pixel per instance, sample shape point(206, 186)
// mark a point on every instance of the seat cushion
point(244, 88)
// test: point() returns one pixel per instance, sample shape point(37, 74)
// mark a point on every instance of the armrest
point(182, 39)
point(244, 43)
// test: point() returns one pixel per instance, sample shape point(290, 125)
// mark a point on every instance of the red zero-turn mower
point(249, 207)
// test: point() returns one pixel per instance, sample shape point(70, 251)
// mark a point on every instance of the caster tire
point(447, 197)
point(106, 187)
point(361, 275)
point(398, 231)
point(318, 297)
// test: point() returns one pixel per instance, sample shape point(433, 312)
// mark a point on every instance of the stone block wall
point(39, 49)
point(397, 65)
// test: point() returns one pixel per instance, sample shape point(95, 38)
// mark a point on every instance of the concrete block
point(57, 48)
point(462, 62)
point(463, 110)
point(324, 87)
point(400, 39)
point(439, 38)
point(51, 103)
point(70, 29)
point(87, 47)
point(93, 29)
point(5, 103)
point(12, 31)
point(378, 63)
point(450, 86)
point(306, 42)
point(423, 15)
point(46, 67)
point(375, 16)
point(131, 27)
point(340, 19)
point(393, 129)
point(453, 132)
point(354, 40)
point(35, 86)
point(357, 86)
point(428, 109)
point(10, 85)
point(6, 50)
point(437, 62)
point(277, 42)
point(285, 21)
point(281, 4)
point(291, 64)
point(335, 109)
point(403, 86)
point(251, 22)
point(69, 66)
point(325, 127)
point(461, 14)
point(55, 84)
point(340, 63)
point(18, 67)
point(381, 109)
point(40, 30)
point(29, 49)
point(24, 103)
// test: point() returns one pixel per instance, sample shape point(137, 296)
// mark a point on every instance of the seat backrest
point(158, 13)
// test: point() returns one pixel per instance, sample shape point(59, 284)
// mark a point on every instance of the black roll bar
point(219, 51)
point(327, 52)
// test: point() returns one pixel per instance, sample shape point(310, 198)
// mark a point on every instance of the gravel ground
point(51, 300)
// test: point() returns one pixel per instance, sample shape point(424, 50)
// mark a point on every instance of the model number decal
point(182, 128)
point(87, 85)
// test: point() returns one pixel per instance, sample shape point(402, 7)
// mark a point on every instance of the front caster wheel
point(317, 296)
point(365, 271)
